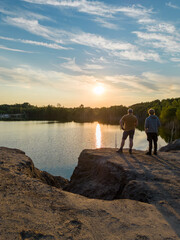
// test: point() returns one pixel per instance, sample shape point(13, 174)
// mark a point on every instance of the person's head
point(130, 111)
point(151, 111)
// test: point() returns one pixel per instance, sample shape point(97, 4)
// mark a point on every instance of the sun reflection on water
point(98, 136)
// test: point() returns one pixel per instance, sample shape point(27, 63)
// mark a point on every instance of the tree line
point(168, 110)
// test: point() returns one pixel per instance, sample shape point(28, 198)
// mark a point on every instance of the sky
point(95, 53)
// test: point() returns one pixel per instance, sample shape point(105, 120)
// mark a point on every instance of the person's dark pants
point(152, 137)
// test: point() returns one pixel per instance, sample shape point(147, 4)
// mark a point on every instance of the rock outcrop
point(26, 166)
point(105, 174)
point(175, 145)
point(35, 206)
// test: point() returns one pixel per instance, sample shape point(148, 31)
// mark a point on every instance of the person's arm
point(121, 122)
point(146, 125)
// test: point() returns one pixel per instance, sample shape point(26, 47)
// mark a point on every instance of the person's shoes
point(119, 151)
point(148, 153)
point(130, 151)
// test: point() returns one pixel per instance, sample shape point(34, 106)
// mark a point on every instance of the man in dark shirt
point(152, 124)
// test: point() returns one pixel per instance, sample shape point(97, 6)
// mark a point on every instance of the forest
point(168, 110)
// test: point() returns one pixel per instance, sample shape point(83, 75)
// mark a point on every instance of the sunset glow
point(98, 90)
point(98, 53)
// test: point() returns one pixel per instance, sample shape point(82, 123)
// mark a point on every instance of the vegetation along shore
point(168, 110)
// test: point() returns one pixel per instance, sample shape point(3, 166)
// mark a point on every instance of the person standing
point(128, 123)
point(152, 125)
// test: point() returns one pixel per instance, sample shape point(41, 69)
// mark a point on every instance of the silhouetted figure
point(152, 124)
point(128, 123)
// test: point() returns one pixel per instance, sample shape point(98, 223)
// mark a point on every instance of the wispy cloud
point(97, 8)
point(166, 42)
point(71, 65)
point(168, 84)
point(43, 44)
point(175, 59)
point(116, 48)
point(104, 13)
point(93, 67)
point(86, 68)
point(159, 35)
point(135, 11)
point(13, 49)
point(161, 27)
point(138, 55)
point(26, 76)
point(17, 12)
point(135, 83)
point(61, 36)
point(98, 41)
point(146, 20)
point(155, 85)
point(125, 50)
point(98, 60)
point(22, 76)
point(30, 25)
point(106, 24)
point(169, 4)
point(90, 7)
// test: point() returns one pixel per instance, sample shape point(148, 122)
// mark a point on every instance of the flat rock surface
point(31, 208)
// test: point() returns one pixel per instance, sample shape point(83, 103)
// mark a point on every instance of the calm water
point(55, 147)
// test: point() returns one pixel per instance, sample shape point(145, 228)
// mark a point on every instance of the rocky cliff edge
point(110, 196)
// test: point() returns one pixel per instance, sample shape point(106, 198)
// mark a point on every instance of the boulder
point(106, 174)
point(23, 164)
point(96, 177)
point(175, 145)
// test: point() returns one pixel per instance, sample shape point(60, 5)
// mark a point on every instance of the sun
point(98, 90)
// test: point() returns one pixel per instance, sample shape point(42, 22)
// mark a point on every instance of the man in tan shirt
point(128, 123)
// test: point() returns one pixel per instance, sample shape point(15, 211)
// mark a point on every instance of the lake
point(55, 147)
